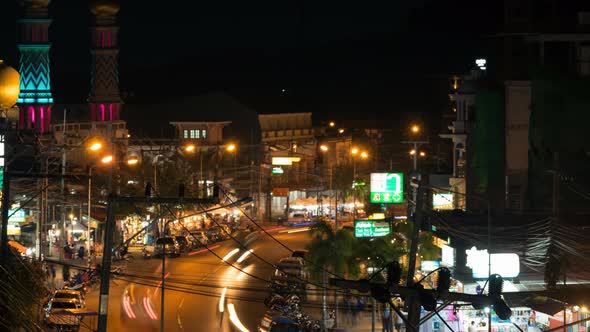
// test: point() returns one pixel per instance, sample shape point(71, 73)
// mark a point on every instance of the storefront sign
point(429, 266)
point(442, 201)
point(387, 188)
point(371, 228)
point(13, 229)
point(18, 216)
point(277, 170)
point(506, 265)
point(280, 192)
point(285, 161)
point(448, 256)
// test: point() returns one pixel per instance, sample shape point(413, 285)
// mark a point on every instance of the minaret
point(35, 98)
point(104, 97)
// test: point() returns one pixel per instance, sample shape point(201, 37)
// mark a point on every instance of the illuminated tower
point(104, 98)
point(35, 98)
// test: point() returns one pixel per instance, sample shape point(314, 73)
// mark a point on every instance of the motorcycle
point(145, 253)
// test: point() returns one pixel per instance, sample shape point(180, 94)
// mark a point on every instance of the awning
point(19, 247)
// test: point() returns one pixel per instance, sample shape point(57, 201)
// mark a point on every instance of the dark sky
point(334, 58)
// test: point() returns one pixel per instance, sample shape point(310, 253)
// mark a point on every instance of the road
point(197, 281)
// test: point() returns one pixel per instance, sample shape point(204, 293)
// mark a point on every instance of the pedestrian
point(81, 252)
point(346, 306)
point(386, 318)
point(52, 269)
point(360, 305)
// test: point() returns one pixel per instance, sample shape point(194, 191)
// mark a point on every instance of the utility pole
point(414, 303)
point(63, 189)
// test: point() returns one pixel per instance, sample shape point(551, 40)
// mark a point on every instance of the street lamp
point(354, 151)
point(107, 159)
point(324, 148)
point(422, 154)
point(415, 129)
point(189, 148)
point(230, 147)
point(95, 146)
point(364, 155)
point(341, 131)
point(332, 124)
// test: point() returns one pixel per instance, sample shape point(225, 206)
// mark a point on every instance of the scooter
point(145, 253)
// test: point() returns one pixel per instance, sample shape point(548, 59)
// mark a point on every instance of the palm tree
point(331, 250)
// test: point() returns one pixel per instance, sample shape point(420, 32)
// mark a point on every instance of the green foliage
point(21, 294)
point(331, 250)
point(342, 254)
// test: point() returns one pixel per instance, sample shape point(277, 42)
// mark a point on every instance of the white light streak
point(234, 318)
point(230, 254)
point(222, 300)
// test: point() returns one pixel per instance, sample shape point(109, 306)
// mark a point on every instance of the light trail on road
point(200, 251)
point(222, 300)
point(230, 254)
point(244, 255)
point(233, 317)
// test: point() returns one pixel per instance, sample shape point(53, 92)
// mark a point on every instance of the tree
point(21, 292)
point(333, 250)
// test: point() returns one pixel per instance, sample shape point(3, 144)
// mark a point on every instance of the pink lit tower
point(104, 98)
point(35, 99)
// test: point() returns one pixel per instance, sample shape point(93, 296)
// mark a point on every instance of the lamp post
point(415, 131)
point(355, 152)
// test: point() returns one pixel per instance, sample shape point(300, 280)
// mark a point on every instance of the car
point(199, 238)
point(185, 245)
point(273, 321)
point(218, 233)
point(298, 218)
point(291, 268)
point(57, 314)
point(172, 246)
point(69, 294)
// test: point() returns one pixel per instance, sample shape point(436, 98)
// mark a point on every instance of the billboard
point(387, 188)
point(371, 228)
point(442, 201)
point(506, 265)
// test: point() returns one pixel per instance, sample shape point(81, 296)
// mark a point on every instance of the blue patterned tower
point(104, 98)
point(35, 98)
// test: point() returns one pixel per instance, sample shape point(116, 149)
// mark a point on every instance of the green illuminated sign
point(371, 228)
point(387, 188)
point(277, 170)
point(1, 177)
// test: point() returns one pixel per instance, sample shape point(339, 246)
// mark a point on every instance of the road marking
point(178, 319)
point(234, 318)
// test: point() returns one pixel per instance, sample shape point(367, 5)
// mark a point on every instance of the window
point(185, 133)
point(194, 133)
point(204, 133)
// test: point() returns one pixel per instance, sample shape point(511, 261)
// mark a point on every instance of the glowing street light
point(415, 129)
point(189, 148)
point(132, 161)
point(95, 146)
point(422, 154)
point(354, 151)
point(324, 148)
point(412, 152)
point(340, 131)
point(230, 148)
point(364, 155)
point(332, 123)
point(107, 159)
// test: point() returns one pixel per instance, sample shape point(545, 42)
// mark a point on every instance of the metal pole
point(489, 259)
point(5, 207)
point(163, 275)
point(89, 210)
point(354, 191)
point(103, 303)
point(63, 188)
point(413, 302)
point(373, 314)
point(324, 298)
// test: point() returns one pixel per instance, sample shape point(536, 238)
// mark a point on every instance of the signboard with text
point(372, 228)
point(280, 192)
point(387, 188)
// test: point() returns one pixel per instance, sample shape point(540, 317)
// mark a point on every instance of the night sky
point(334, 58)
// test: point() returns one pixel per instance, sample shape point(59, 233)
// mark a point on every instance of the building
point(35, 98)
point(288, 135)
